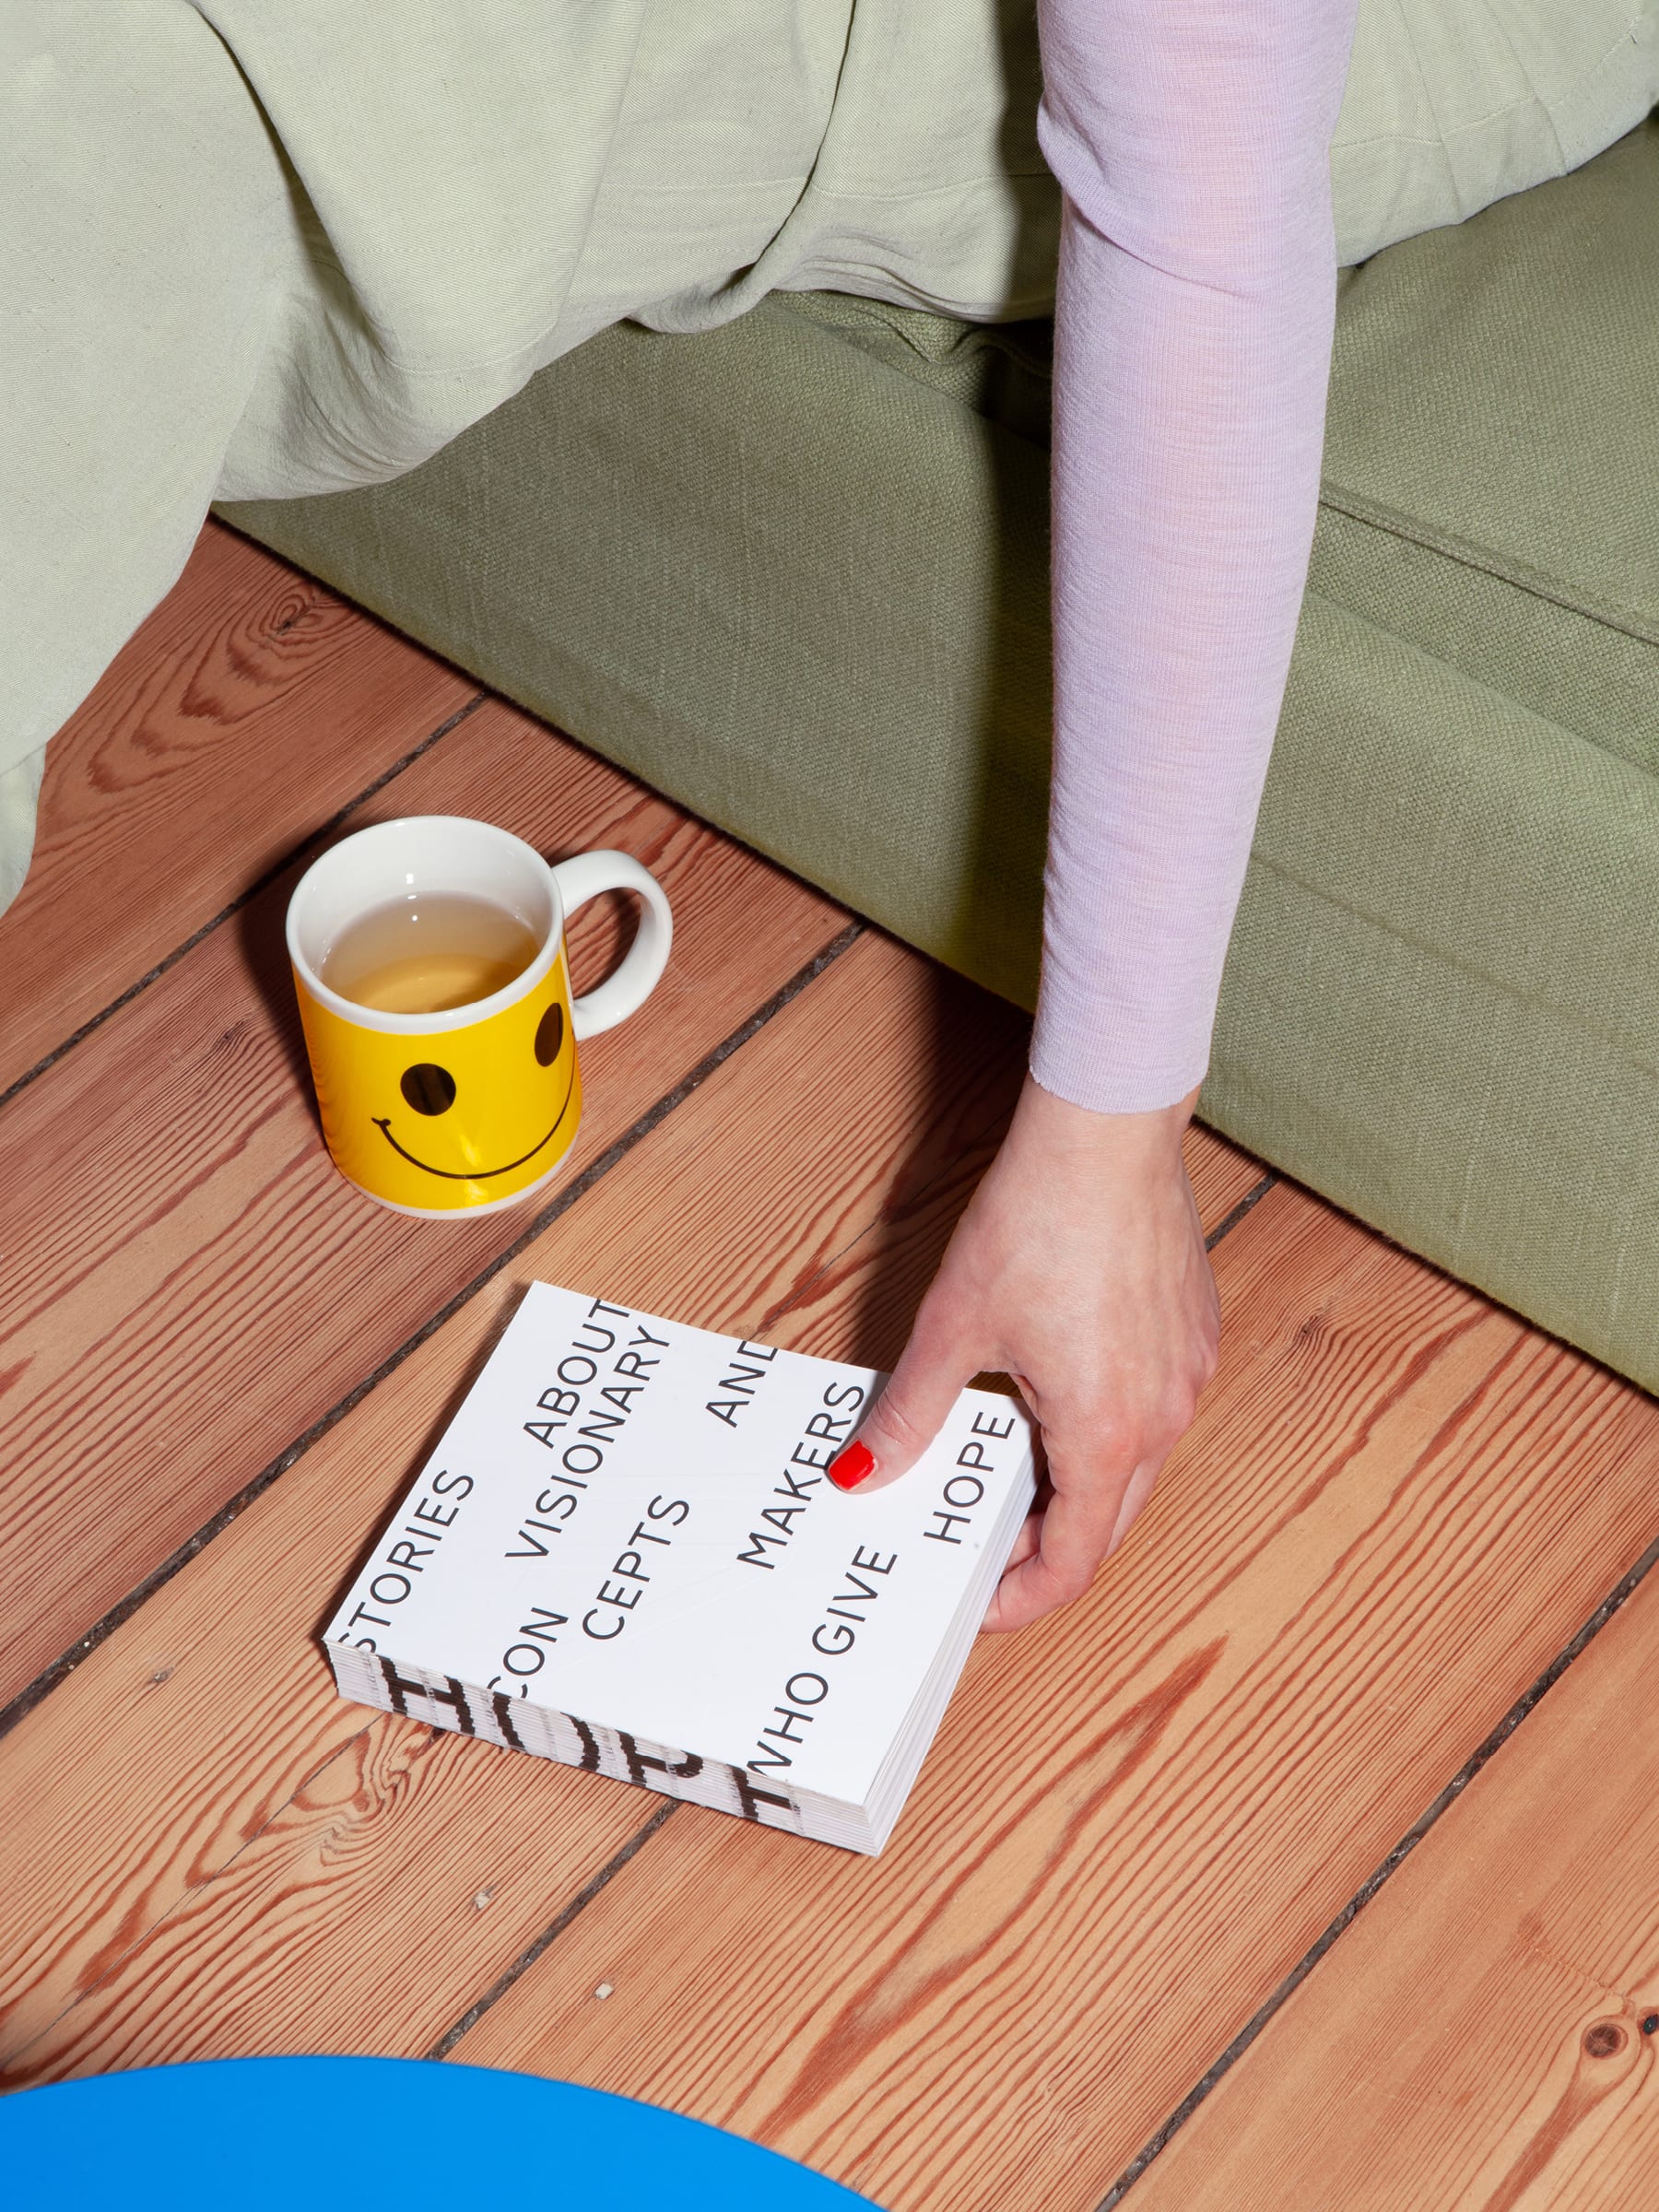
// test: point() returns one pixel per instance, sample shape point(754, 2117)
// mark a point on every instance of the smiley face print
point(447, 1120)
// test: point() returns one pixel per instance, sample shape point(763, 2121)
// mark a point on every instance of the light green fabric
point(793, 573)
point(287, 247)
point(1442, 1004)
point(1493, 393)
point(20, 794)
point(1450, 106)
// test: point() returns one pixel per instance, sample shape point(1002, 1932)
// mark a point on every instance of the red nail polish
point(848, 1468)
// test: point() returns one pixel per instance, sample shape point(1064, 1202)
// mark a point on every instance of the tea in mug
point(427, 954)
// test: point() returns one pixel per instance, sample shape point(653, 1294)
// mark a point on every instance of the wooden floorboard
point(1397, 1505)
point(250, 708)
point(210, 1853)
point(189, 1286)
point(1487, 2034)
point(1396, 1508)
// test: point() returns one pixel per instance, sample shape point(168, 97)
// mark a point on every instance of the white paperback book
point(625, 1555)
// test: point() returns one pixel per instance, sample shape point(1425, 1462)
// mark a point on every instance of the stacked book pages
point(625, 1555)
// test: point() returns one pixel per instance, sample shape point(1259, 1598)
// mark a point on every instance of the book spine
point(514, 1724)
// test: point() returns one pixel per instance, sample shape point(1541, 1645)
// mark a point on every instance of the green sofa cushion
point(1493, 393)
point(794, 572)
point(1486, 462)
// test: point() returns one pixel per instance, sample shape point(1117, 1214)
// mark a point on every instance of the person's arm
point(1197, 287)
point(1197, 282)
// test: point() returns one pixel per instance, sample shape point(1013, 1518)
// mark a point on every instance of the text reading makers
point(625, 1555)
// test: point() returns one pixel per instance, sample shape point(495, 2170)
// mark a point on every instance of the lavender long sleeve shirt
point(1197, 283)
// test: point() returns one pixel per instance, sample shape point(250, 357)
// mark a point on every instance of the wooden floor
point(1308, 1863)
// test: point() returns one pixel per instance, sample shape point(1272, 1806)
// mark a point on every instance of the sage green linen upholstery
point(792, 572)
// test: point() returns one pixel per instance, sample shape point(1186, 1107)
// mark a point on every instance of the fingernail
point(848, 1468)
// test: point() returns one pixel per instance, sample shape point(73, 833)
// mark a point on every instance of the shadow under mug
point(470, 1109)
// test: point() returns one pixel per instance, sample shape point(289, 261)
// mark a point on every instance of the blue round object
point(376, 2135)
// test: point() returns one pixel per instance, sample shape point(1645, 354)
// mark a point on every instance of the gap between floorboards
point(555, 1928)
point(1391, 1865)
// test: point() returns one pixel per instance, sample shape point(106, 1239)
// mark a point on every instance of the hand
point(1079, 1270)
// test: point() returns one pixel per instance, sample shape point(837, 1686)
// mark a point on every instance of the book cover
point(625, 1555)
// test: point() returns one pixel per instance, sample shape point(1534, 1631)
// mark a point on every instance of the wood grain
point(189, 1286)
point(209, 1851)
point(249, 708)
point(1476, 2040)
point(1397, 1505)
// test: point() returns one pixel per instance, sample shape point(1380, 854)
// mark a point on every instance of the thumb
point(936, 1367)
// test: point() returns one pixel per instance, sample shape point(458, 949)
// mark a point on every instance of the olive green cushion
point(792, 571)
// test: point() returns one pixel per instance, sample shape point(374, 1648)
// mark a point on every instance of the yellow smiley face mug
point(428, 955)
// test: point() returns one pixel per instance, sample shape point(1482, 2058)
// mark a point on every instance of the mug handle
point(626, 992)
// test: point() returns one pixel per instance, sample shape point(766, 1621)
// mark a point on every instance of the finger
point(937, 1366)
point(1134, 1496)
point(1026, 1542)
point(1076, 1535)
point(1025, 1547)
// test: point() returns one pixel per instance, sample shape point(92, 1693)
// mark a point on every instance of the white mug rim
point(454, 1018)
